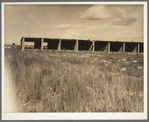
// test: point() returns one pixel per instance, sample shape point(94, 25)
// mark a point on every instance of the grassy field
point(52, 81)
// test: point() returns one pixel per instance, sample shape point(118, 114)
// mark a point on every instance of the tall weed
point(71, 83)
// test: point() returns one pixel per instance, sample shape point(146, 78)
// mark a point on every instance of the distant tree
point(13, 44)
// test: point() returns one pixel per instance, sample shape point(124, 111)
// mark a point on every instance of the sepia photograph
point(74, 60)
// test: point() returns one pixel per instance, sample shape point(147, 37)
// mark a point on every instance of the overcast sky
point(99, 22)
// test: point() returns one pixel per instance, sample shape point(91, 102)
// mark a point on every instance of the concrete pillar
point(121, 49)
point(138, 47)
point(93, 46)
point(124, 47)
point(108, 46)
point(90, 49)
point(22, 44)
point(42, 43)
point(135, 49)
point(76, 45)
point(59, 45)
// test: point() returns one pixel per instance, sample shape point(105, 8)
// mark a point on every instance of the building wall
point(84, 45)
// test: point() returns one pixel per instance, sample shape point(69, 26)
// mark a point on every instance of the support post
point(138, 47)
point(90, 49)
point(22, 43)
point(123, 47)
point(93, 46)
point(108, 46)
point(76, 45)
point(135, 50)
point(42, 43)
point(59, 45)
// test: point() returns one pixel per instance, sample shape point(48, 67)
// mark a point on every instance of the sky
point(95, 22)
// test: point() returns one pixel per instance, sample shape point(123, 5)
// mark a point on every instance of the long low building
point(83, 45)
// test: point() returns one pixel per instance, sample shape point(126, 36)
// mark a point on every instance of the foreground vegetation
point(76, 82)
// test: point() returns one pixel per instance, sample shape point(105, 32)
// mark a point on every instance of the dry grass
point(76, 82)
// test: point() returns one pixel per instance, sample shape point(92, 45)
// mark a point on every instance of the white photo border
point(78, 116)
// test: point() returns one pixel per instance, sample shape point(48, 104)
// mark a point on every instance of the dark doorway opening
point(85, 45)
point(52, 44)
point(37, 43)
point(101, 46)
point(68, 44)
point(116, 46)
point(130, 47)
point(141, 47)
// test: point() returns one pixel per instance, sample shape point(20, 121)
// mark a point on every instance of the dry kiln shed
point(83, 45)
